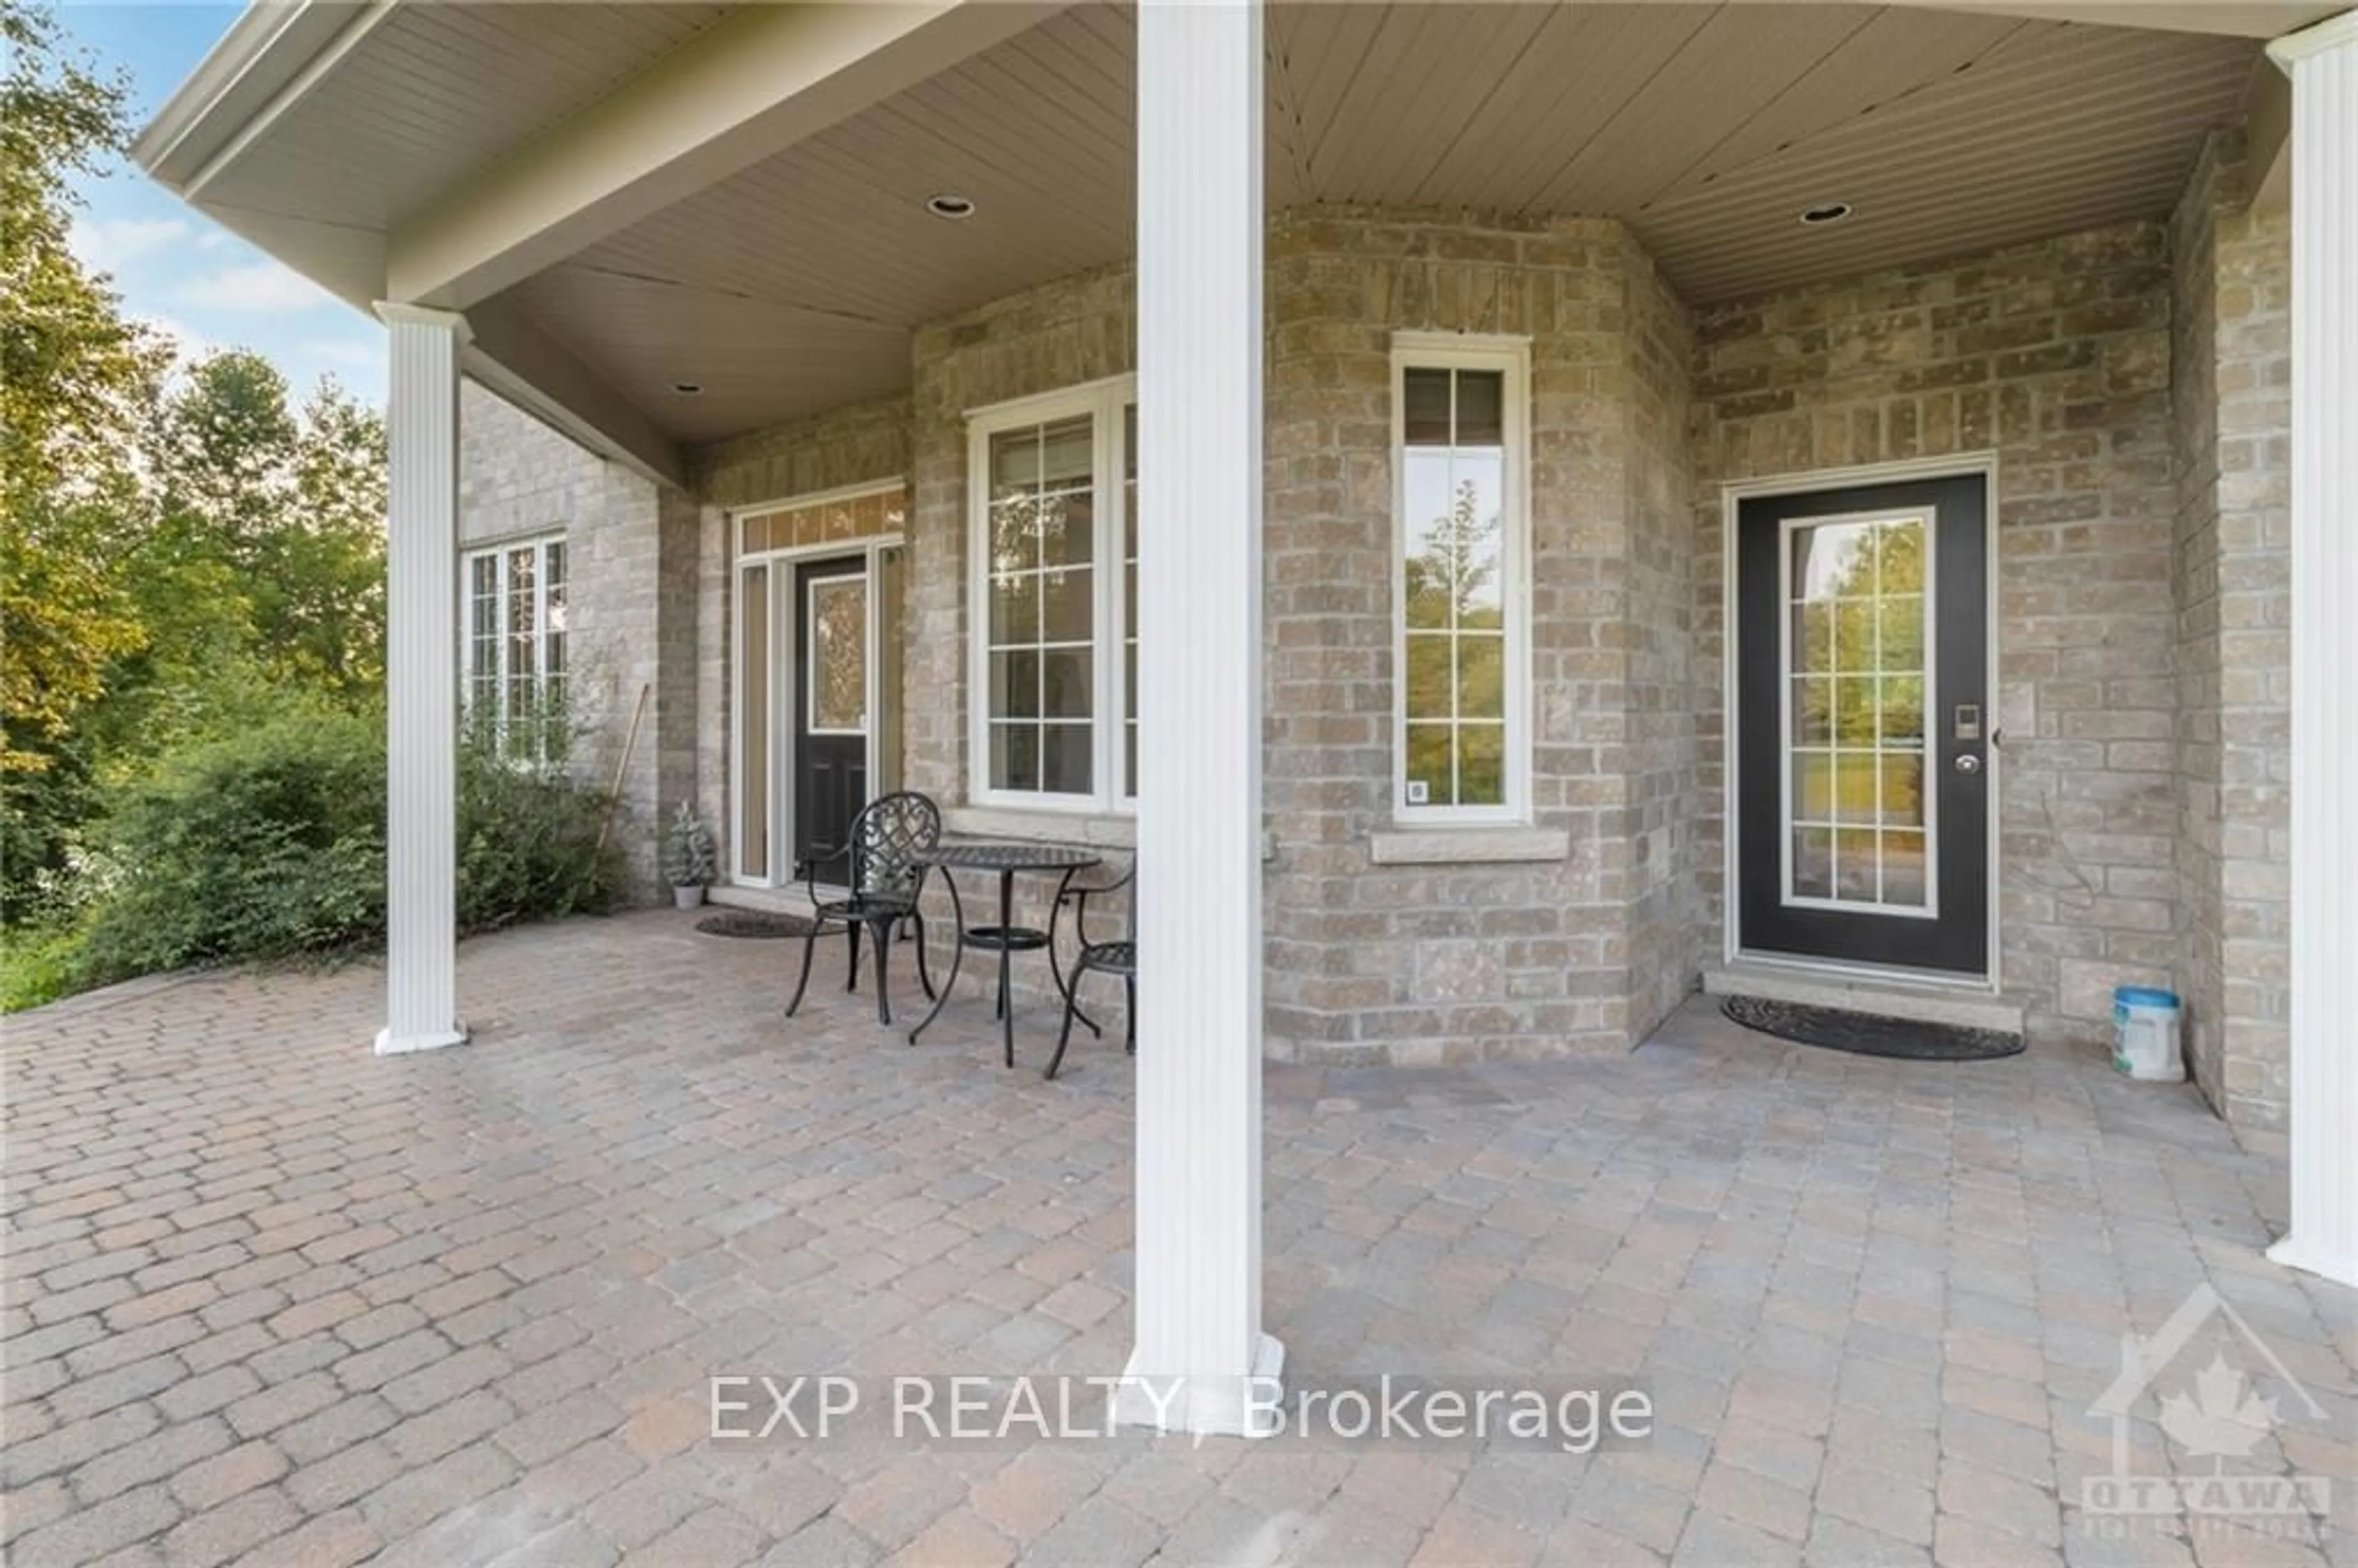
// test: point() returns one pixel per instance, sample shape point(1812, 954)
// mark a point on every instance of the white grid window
point(1858, 813)
point(1053, 594)
point(1461, 627)
point(515, 655)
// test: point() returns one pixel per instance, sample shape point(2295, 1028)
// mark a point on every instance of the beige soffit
point(790, 286)
point(792, 283)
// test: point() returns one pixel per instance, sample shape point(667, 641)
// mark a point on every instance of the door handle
point(1968, 764)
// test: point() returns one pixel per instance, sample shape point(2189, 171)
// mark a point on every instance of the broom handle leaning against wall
point(622, 765)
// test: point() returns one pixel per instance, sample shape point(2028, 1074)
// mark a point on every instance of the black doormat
point(1867, 1034)
point(752, 923)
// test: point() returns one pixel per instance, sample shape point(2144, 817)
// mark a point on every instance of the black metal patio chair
point(879, 892)
point(1117, 956)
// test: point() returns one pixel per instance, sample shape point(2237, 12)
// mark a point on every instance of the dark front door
point(831, 679)
point(1863, 725)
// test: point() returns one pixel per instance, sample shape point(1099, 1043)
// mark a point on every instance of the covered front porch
point(467, 1306)
point(1655, 260)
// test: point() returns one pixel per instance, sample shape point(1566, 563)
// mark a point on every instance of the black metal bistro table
point(1006, 939)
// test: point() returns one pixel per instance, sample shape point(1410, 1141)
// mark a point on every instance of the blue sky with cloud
point(177, 269)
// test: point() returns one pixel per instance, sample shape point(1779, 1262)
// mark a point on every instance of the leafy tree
point(74, 374)
point(334, 628)
point(175, 549)
point(290, 508)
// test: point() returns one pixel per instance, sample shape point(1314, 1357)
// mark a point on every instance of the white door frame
point(1982, 465)
point(786, 666)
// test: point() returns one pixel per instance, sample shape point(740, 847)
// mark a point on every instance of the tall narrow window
point(1043, 609)
point(514, 654)
point(753, 716)
point(552, 630)
point(484, 635)
point(1055, 591)
point(1460, 745)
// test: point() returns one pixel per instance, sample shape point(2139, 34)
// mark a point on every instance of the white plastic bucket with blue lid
point(2145, 1034)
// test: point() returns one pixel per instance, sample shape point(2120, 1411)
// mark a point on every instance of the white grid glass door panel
point(1859, 828)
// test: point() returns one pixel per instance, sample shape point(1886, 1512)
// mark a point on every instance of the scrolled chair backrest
point(887, 837)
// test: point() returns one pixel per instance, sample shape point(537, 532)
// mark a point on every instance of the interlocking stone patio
point(272, 1300)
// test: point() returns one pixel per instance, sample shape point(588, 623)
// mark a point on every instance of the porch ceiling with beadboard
point(792, 285)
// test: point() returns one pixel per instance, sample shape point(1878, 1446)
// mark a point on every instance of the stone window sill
point(1105, 830)
point(1098, 829)
point(1468, 846)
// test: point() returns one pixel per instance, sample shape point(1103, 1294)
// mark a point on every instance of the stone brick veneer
point(2230, 375)
point(2140, 600)
point(1669, 939)
point(631, 551)
point(2194, 594)
point(1468, 958)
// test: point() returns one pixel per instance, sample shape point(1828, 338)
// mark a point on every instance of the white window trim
point(1104, 401)
point(469, 670)
point(1512, 356)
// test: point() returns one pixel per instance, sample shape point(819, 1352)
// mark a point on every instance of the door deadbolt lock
point(1967, 723)
point(1968, 764)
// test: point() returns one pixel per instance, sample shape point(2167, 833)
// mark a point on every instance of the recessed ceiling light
point(950, 205)
point(688, 388)
point(1826, 213)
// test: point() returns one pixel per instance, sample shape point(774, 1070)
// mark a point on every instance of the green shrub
point(270, 842)
point(259, 845)
point(528, 844)
point(39, 964)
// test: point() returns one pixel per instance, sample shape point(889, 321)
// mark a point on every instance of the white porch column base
point(2323, 1092)
point(1201, 1363)
point(388, 1043)
point(421, 680)
point(1215, 1406)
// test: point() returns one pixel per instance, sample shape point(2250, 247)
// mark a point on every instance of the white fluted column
point(1201, 1363)
point(421, 680)
point(2324, 64)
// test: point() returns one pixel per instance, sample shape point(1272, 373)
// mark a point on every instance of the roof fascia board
point(268, 47)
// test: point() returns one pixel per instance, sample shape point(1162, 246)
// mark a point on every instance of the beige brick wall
point(2194, 585)
point(843, 447)
point(2230, 378)
point(2255, 381)
point(2057, 356)
point(1667, 913)
point(1418, 963)
point(630, 627)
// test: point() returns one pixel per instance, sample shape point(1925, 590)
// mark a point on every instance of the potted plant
point(688, 857)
